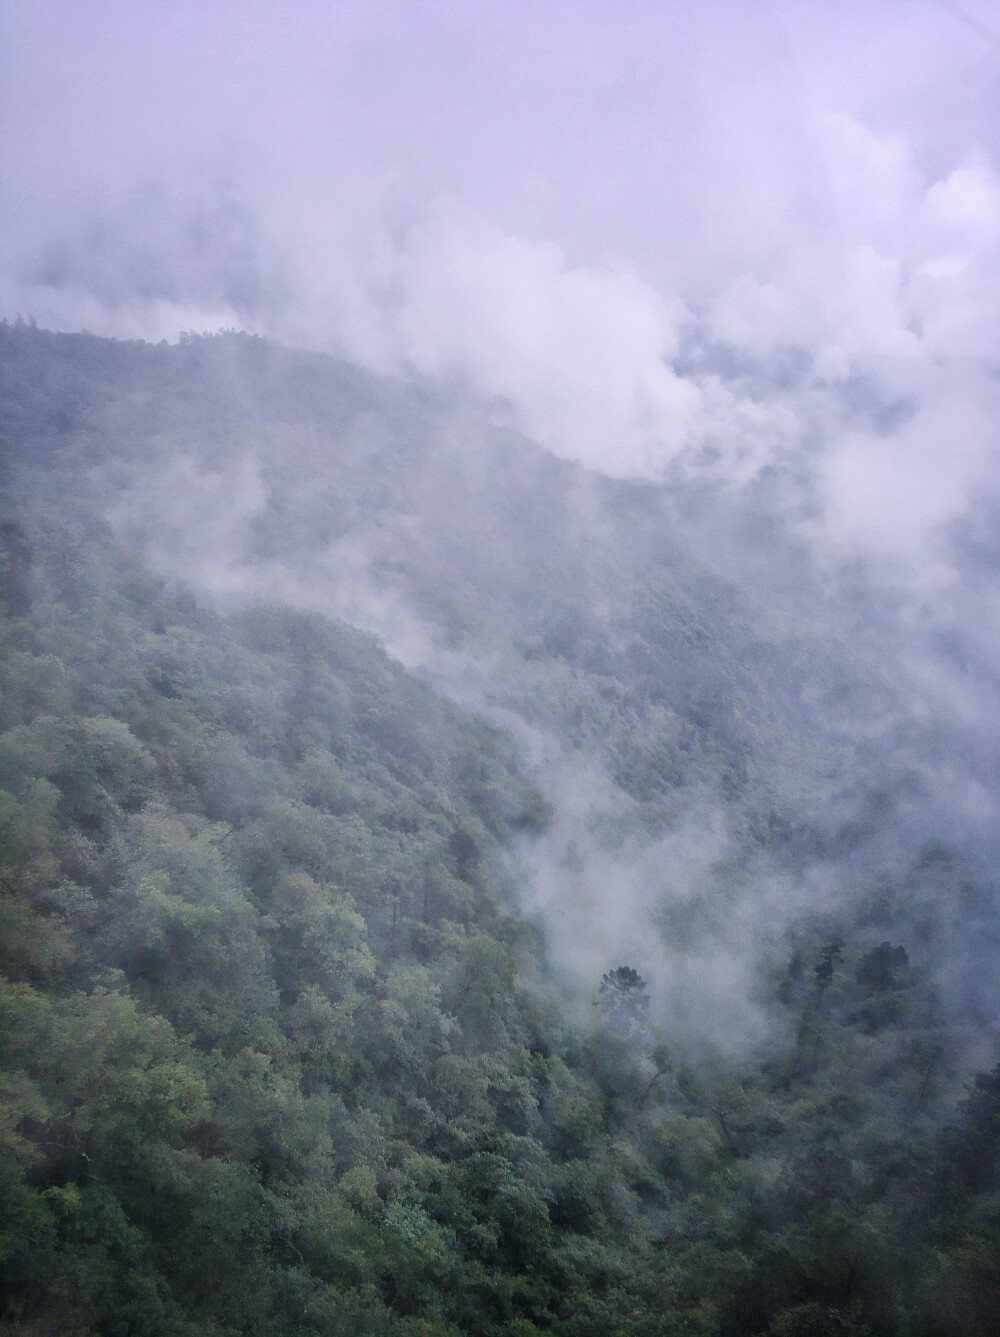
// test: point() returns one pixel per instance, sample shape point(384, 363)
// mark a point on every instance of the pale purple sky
point(754, 244)
point(693, 141)
point(551, 200)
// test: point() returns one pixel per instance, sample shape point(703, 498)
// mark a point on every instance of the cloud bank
point(751, 250)
point(553, 207)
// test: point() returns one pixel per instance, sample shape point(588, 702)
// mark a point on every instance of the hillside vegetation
point(284, 1051)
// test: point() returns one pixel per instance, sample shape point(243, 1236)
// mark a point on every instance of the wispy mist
point(553, 206)
point(750, 253)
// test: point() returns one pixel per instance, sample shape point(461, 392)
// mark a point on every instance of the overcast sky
point(749, 243)
point(626, 221)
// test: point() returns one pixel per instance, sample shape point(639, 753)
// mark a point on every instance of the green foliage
point(274, 1057)
point(625, 999)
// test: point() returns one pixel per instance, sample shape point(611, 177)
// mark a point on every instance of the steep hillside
point(585, 972)
point(701, 742)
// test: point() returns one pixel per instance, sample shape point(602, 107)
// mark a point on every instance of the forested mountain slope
point(315, 1011)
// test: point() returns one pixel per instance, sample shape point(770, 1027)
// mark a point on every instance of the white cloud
point(581, 352)
point(903, 268)
point(440, 191)
point(892, 494)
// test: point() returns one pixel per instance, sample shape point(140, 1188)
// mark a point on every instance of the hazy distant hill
point(591, 956)
point(242, 466)
point(570, 606)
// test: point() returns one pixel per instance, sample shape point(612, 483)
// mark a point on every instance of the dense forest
point(356, 973)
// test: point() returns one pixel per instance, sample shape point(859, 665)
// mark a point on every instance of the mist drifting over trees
point(498, 643)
